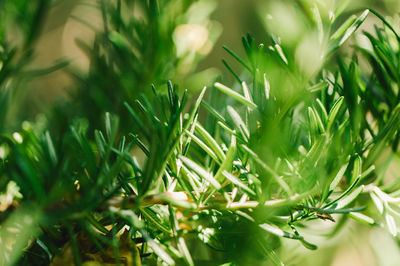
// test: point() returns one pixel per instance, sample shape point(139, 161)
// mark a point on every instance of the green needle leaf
point(334, 112)
point(279, 232)
point(201, 172)
point(202, 145)
point(51, 149)
point(391, 224)
point(240, 125)
point(349, 30)
point(349, 198)
point(238, 183)
point(228, 161)
point(234, 95)
point(211, 142)
point(357, 168)
point(362, 218)
point(337, 178)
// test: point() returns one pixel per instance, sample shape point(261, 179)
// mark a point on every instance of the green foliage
point(229, 174)
point(20, 25)
point(141, 43)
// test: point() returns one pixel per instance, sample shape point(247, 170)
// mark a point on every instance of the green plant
point(142, 43)
point(294, 143)
point(20, 26)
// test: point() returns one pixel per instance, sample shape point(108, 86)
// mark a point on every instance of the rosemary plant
point(232, 176)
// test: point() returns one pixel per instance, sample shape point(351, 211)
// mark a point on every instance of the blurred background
point(70, 20)
point(193, 40)
point(199, 48)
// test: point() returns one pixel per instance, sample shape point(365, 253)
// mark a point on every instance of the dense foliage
point(135, 170)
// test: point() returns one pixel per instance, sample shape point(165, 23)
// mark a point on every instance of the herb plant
point(234, 175)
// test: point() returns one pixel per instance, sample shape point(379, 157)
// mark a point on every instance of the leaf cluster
point(229, 174)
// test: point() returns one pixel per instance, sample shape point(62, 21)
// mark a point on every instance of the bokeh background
point(234, 18)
